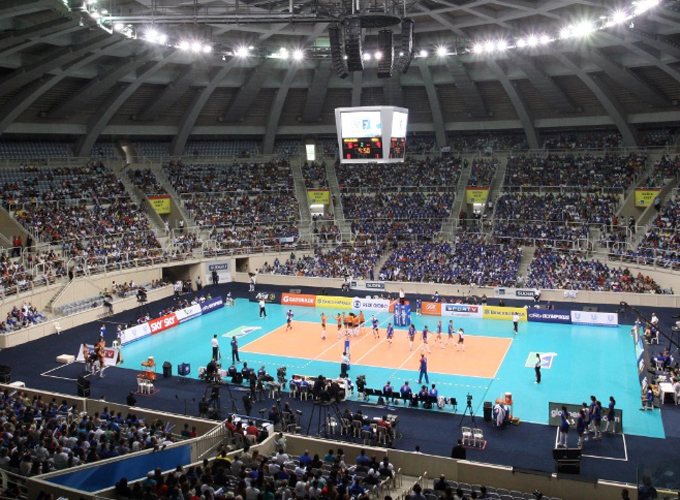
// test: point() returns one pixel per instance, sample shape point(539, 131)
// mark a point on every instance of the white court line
point(507, 350)
point(45, 374)
point(625, 449)
point(625, 453)
point(381, 341)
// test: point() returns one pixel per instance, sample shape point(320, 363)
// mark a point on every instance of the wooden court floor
point(482, 357)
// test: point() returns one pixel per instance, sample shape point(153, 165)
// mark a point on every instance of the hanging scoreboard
point(375, 134)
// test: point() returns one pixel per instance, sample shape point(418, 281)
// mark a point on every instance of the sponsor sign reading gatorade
point(298, 299)
point(506, 313)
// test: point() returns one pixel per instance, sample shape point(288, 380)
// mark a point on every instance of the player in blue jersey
point(390, 333)
point(461, 340)
point(102, 331)
point(597, 420)
point(439, 335)
point(419, 306)
point(564, 428)
point(374, 322)
point(425, 344)
point(611, 416)
point(289, 320)
point(450, 339)
point(411, 336)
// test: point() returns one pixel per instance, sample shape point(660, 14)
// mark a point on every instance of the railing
point(345, 189)
point(508, 188)
point(15, 206)
point(210, 441)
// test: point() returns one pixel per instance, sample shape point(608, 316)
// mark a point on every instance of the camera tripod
point(468, 408)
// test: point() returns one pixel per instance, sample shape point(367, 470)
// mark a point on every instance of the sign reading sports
point(476, 194)
point(644, 197)
point(319, 196)
point(160, 203)
point(496, 312)
point(332, 302)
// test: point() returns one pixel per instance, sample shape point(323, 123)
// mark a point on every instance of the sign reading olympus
point(549, 316)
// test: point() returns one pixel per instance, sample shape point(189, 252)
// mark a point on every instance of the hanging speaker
point(386, 47)
point(406, 50)
point(337, 55)
point(353, 44)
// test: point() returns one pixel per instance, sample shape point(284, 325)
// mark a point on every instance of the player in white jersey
point(461, 340)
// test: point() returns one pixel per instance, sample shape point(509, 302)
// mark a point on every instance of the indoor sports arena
point(339, 250)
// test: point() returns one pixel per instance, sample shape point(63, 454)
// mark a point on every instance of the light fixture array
point(575, 31)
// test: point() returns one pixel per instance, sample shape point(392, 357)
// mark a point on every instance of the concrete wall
point(634, 299)
point(412, 464)
point(10, 227)
point(48, 328)
point(91, 286)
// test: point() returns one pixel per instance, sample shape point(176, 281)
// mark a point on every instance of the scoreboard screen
point(374, 134)
point(398, 147)
point(367, 148)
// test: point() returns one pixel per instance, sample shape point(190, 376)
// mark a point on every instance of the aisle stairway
point(459, 203)
point(301, 195)
point(525, 261)
point(344, 226)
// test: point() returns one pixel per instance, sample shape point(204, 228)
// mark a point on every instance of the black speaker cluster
point(347, 50)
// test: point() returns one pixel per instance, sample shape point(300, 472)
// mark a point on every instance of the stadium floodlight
point(242, 51)
point(283, 53)
point(532, 41)
point(378, 55)
point(582, 29)
point(118, 26)
point(478, 48)
point(151, 35)
point(619, 17)
point(544, 39)
point(207, 49)
point(521, 43)
point(367, 56)
point(298, 54)
point(442, 51)
point(162, 38)
point(423, 53)
point(196, 47)
point(184, 45)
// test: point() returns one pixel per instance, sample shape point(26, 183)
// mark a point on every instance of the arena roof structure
point(176, 69)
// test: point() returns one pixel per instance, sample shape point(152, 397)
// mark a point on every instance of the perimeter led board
point(375, 134)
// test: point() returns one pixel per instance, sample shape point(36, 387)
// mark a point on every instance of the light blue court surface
point(587, 360)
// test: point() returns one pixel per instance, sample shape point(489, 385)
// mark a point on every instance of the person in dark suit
point(458, 451)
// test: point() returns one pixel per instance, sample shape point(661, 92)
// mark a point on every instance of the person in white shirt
point(215, 347)
point(655, 320)
point(515, 322)
point(262, 310)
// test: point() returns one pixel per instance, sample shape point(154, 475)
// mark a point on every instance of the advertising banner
point(298, 299)
point(212, 305)
point(268, 297)
point(431, 308)
point(223, 268)
point(506, 313)
point(644, 197)
point(163, 323)
point(319, 196)
point(549, 316)
point(188, 313)
point(595, 318)
point(379, 305)
point(366, 285)
point(135, 333)
point(110, 355)
point(476, 194)
point(515, 293)
point(462, 310)
point(332, 302)
point(160, 203)
point(402, 314)
point(555, 419)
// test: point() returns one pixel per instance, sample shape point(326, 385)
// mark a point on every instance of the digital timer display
point(367, 148)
